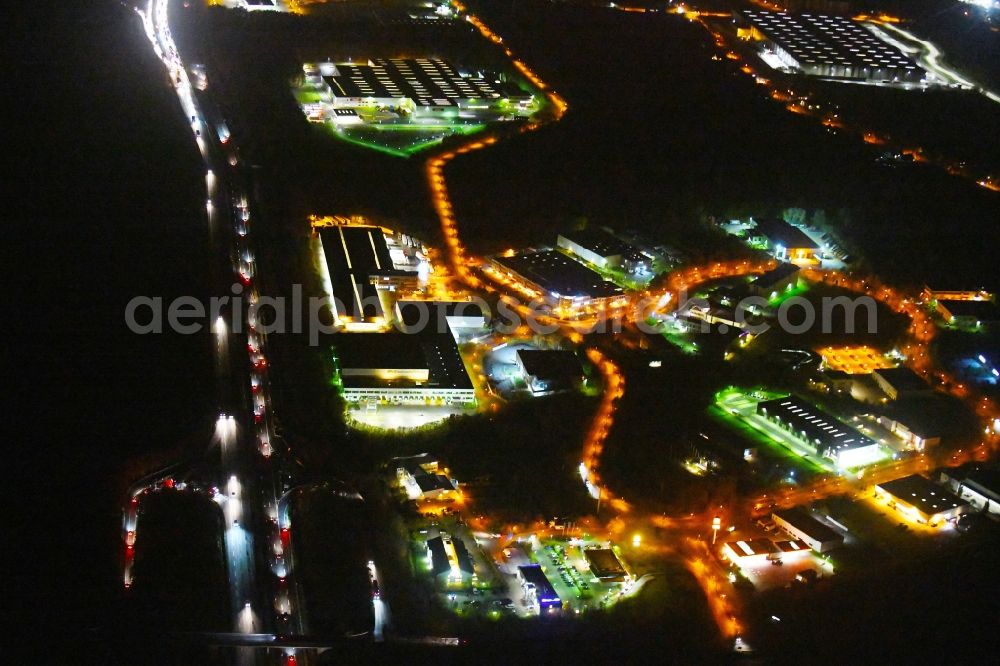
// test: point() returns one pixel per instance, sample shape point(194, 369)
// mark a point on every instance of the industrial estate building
point(966, 308)
point(930, 294)
point(827, 46)
point(537, 588)
point(750, 551)
point(547, 370)
point(785, 242)
point(825, 6)
point(401, 368)
point(920, 499)
point(561, 282)
point(412, 85)
point(450, 560)
point(979, 486)
point(602, 249)
point(754, 552)
point(439, 316)
point(358, 265)
point(424, 479)
point(915, 431)
point(776, 281)
point(714, 314)
point(968, 313)
point(605, 565)
point(801, 525)
point(820, 432)
point(259, 5)
point(900, 382)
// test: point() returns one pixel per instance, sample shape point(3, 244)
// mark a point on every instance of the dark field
point(180, 574)
point(105, 202)
point(659, 134)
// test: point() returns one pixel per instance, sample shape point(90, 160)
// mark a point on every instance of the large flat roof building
point(602, 249)
point(900, 382)
point(823, 433)
point(259, 5)
point(397, 367)
point(448, 555)
point(423, 479)
point(967, 293)
point(921, 499)
point(979, 486)
point(420, 83)
point(915, 429)
point(827, 46)
point(358, 264)
point(968, 312)
point(439, 316)
point(750, 551)
point(560, 281)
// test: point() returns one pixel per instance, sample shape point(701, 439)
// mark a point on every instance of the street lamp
point(716, 524)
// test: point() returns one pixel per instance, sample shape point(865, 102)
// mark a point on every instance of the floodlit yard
point(404, 417)
point(402, 140)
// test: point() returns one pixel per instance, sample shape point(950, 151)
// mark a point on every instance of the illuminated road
point(248, 498)
point(238, 539)
point(462, 263)
point(250, 501)
point(593, 447)
point(927, 55)
point(380, 608)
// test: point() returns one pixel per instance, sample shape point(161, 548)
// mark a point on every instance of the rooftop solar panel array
point(427, 81)
point(814, 40)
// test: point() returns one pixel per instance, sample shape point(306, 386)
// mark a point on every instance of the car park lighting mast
point(716, 524)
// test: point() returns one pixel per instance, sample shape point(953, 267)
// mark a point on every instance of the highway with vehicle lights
point(251, 476)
